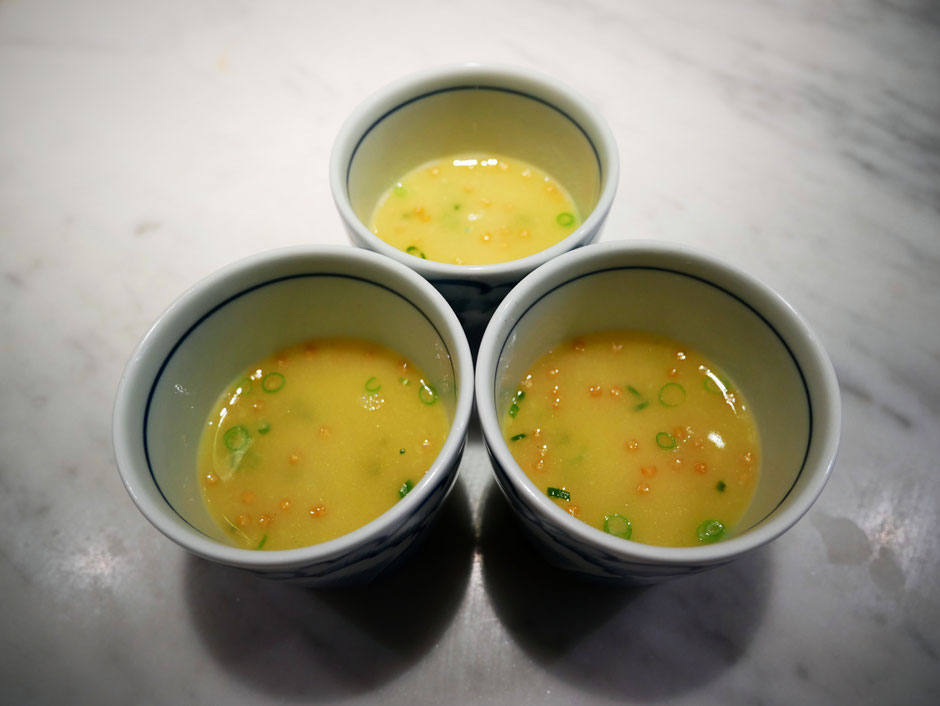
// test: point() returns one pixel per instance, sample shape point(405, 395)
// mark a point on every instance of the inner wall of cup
point(697, 314)
point(493, 120)
point(254, 324)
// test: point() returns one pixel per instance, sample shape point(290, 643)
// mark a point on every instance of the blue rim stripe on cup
point(474, 87)
point(226, 302)
point(725, 291)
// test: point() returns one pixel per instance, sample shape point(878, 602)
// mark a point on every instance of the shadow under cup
point(187, 388)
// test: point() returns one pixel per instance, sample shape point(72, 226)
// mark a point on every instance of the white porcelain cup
point(250, 310)
point(731, 318)
point(467, 108)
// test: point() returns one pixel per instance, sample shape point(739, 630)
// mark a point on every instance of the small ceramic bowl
point(473, 107)
point(245, 312)
point(727, 315)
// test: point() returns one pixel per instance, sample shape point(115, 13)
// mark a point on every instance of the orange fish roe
point(317, 511)
point(574, 511)
point(603, 451)
point(248, 497)
point(293, 459)
point(242, 520)
point(211, 479)
point(265, 520)
point(285, 504)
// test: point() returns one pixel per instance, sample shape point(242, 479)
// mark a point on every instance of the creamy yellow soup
point(475, 209)
point(316, 441)
point(638, 436)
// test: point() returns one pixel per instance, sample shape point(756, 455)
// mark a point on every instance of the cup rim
point(143, 369)
point(822, 388)
point(470, 75)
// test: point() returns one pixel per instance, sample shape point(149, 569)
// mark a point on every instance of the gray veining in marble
point(143, 145)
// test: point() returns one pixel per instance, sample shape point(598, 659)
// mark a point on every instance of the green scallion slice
point(642, 401)
point(517, 437)
point(710, 531)
point(373, 385)
point(513, 409)
point(618, 525)
point(264, 540)
point(405, 488)
point(559, 493)
point(413, 250)
point(720, 486)
point(264, 428)
point(272, 382)
point(401, 451)
point(243, 386)
point(665, 440)
point(399, 190)
point(237, 438)
point(427, 393)
point(564, 219)
point(672, 394)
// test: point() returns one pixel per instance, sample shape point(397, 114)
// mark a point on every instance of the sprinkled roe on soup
point(317, 440)
point(474, 209)
point(638, 436)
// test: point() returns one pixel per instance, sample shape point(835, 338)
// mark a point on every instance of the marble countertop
point(144, 145)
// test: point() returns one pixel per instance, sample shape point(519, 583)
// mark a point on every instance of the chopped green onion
point(400, 190)
point(514, 407)
point(404, 381)
point(456, 206)
point(720, 487)
point(236, 438)
point(672, 394)
point(710, 531)
point(565, 219)
point(405, 488)
point(373, 385)
point(413, 250)
point(263, 541)
point(560, 493)
point(401, 451)
point(272, 382)
point(426, 393)
point(618, 525)
point(243, 386)
point(517, 437)
point(665, 440)
point(714, 384)
point(636, 393)
point(264, 428)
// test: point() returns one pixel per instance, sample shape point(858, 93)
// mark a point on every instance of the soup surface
point(475, 209)
point(316, 441)
point(638, 436)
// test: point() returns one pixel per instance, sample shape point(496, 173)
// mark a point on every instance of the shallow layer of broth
point(474, 209)
point(637, 435)
point(316, 441)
